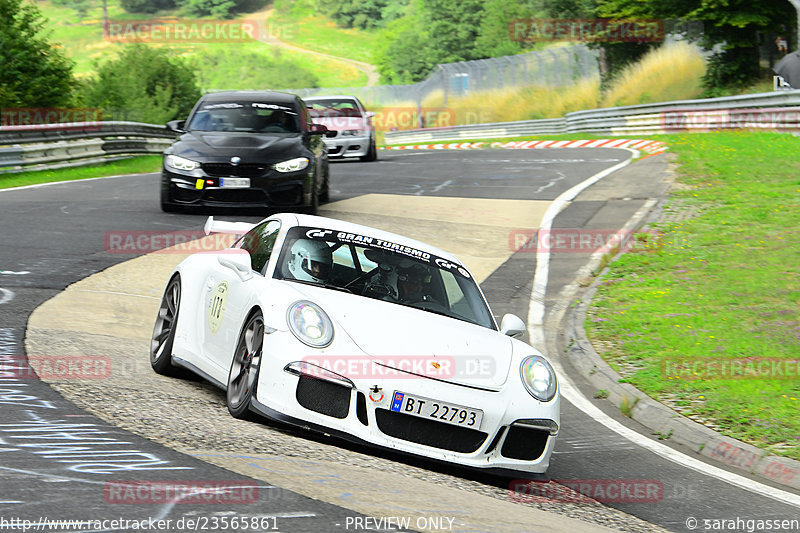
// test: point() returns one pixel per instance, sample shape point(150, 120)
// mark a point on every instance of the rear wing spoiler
point(221, 226)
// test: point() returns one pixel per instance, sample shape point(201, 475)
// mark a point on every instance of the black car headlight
point(538, 377)
point(310, 324)
point(291, 165)
point(181, 163)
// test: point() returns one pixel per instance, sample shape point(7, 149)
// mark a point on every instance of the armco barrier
point(50, 146)
point(776, 111)
point(72, 144)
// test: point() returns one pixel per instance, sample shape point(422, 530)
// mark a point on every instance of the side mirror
point(512, 325)
point(369, 114)
point(318, 129)
point(238, 262)
point(177, 126)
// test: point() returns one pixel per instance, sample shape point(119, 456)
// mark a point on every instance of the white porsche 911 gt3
point(362, 334)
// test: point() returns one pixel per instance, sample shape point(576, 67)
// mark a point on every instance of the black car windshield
point(333, 108)
point(245, 117)
point(383, 270)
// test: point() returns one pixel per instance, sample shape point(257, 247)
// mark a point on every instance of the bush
point(143, 84)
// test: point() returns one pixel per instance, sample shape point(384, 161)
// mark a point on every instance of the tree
point(402, 53)
point(452, 28)
point(32, 72)
point(143, 84)
point(732, 25)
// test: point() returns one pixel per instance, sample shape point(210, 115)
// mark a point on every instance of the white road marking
point(5, 296)
point(12, 273)
point(571, 393)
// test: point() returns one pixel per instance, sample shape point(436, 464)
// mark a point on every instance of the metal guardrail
point(51, 146)
point(776, 111)
point(71, 144)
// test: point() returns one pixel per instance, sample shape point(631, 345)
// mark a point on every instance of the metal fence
point(58, 145)
point(776, 111)
point(51, 146)
point(551, 68)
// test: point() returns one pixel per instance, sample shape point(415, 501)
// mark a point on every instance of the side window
point(259, 243)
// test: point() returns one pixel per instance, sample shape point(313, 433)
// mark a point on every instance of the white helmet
point(310, 260)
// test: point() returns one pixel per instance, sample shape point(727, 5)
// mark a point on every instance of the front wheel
point(164, 330)
point(243, 376)
point(372, 154)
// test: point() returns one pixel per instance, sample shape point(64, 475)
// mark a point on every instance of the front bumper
point(347, 146)
point(517, 433)
point(273, 189)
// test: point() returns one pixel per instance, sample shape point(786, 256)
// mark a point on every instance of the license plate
point(234, 183)
point(449, 413)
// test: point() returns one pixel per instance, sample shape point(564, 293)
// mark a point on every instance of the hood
point(249, 146)
point(411, 339)
point(343, 123)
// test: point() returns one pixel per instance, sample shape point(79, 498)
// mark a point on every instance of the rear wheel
point(243, 376)
point(164, 329)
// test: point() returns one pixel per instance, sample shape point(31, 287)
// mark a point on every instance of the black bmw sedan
point(248, 149)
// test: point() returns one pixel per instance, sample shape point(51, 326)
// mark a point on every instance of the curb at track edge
point(574, 343)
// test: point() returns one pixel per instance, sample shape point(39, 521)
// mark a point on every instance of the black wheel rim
point(165, 323)
point(246, 360)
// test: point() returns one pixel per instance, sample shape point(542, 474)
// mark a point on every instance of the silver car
point(352, 124)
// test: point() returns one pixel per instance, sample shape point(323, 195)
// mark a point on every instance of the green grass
point(134, 165)
point(298, 24)
point(82, 40)
point(719, 288)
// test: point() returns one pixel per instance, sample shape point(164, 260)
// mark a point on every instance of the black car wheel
point(372, 154)
point(164, 329)
point(243, 376)
point(325, 193)
point(166, 206)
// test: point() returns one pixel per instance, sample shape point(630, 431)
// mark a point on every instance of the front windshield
point(245, 117)
point(333, 108)
point(383, 270)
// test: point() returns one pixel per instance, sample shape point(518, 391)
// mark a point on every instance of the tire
point(372, 154)
point(325, 193)
point(314, 207)
point(243, 375)
point(164, 329)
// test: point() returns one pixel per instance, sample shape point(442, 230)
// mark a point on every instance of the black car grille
point(236, 196)
point(246, 170)
point(524, 443)
point(429, 432)
point(323, 397)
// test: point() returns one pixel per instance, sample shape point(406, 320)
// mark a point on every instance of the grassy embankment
point(134, 165)
point(717, 292)
point(220, 65)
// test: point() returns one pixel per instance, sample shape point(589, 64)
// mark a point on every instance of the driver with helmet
point(310, 260)
point(410, 283)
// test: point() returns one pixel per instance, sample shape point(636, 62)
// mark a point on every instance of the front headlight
point(292, 165)
point(180, 163)
point(310, 324)
point(538, 377)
